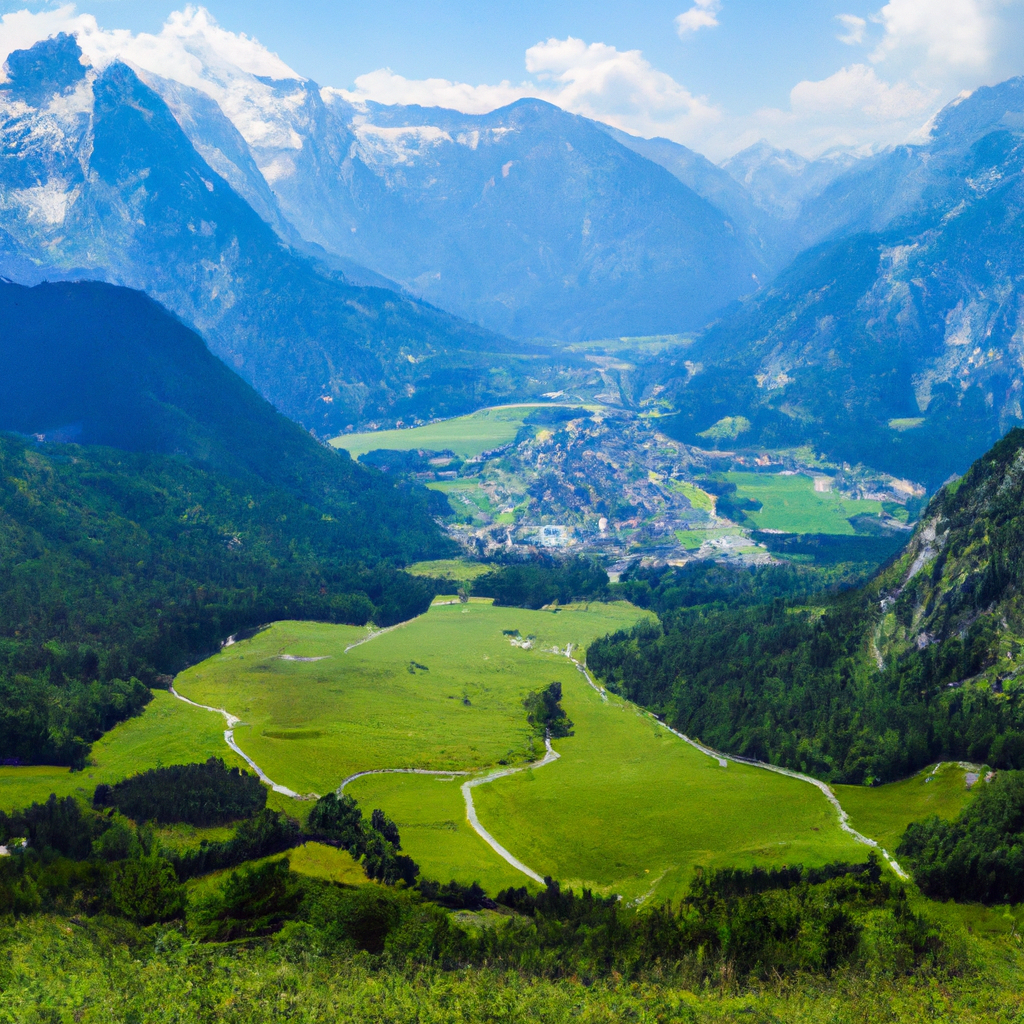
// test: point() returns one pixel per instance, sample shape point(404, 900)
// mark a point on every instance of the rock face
point(901, 347)
point(98, 179)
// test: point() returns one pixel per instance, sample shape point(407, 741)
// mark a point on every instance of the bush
point(200, 794)
point(256, 901)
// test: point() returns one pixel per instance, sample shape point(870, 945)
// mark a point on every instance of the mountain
point(98, 179)
point(96, 364)
point(765, 231)
point(528, 219)
point(779, 180)
point(899, 348)
point(161, 506)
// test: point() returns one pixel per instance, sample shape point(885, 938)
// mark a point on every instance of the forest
point(117, 569)
point(793, 680)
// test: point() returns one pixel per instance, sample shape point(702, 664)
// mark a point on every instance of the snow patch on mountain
point(402, 145)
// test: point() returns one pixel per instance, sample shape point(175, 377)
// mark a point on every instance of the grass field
point(431, 818)
point(467, 436)
point(456, 569)
point(443, 691)
point(791, 504)
point(883, 812)
point(167, 732)
point(629, 808)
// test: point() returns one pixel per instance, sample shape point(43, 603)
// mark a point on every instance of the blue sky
point(712, 74)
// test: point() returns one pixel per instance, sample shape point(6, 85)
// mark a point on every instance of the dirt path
point(724, 759)
point(474, 821)
point(229, 739)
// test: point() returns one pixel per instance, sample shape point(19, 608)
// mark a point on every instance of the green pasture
point(631, 809)
point(697, 498)
point(883, 812)
point(467, 436)
point(791, 504)
point(466, 496)
point(431, 817)
point(442, 691)
point(167, 732)
point(456, 569)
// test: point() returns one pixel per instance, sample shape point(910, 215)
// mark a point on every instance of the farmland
point(792, 504)
point(467, 436)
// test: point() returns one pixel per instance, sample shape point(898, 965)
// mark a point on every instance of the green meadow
point(431, 817)
point(443, 691)
point(792, 505)
point(884, 812)
point(167, 732)
point(467, 436)
point(628, 808)
point(456, 569)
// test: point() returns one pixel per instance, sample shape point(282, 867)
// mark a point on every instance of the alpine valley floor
point(628, 808)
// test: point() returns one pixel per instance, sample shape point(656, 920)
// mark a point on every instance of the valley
point(605, 479)
point(467, 555)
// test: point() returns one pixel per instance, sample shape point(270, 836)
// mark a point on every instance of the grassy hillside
point(445, 692)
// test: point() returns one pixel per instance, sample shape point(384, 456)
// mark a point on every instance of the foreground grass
point(95, 971)
point(791, 504)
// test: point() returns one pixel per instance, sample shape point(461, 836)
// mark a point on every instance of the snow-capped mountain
point(98, 179)
point(529, 220)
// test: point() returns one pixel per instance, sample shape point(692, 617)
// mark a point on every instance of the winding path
point(724, 759)
point(229, 739)
point(550, 756)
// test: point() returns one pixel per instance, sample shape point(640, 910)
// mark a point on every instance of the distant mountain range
point(97, 179)
point(866, 306)
point(900, 345)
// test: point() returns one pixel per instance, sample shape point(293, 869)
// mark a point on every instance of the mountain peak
point(49, 67)
point(967, 118)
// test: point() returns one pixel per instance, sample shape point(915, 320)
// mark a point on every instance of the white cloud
point(619, 87)
point(948, 32)
point(854, 29)
point(384, 86)
point(928, 51)
point(703, 14)
point(857, 88)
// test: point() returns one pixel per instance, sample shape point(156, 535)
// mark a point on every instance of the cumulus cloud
point(858, 88)
point(384, 86)
point(619, 87)
point(703, 14)
point(854, 27)
point(948, 32)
